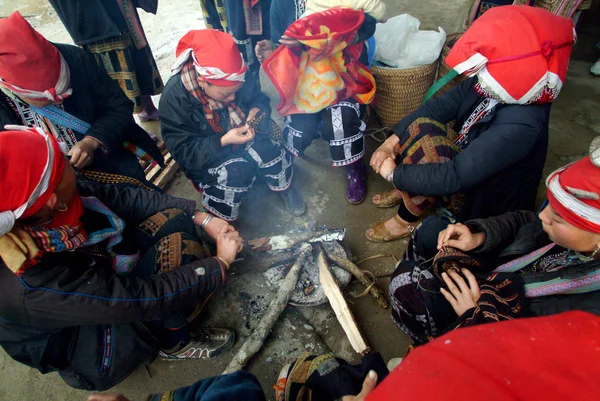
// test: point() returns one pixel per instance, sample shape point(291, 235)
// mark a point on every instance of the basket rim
point(405, 69)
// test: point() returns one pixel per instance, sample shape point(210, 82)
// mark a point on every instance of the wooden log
point(340, 306)
point(166, 175)
point(360, 274)
point(144, 164)
point(277, 305)
point(154, 171)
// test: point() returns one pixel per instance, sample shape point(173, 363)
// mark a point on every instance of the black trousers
point(342, 126)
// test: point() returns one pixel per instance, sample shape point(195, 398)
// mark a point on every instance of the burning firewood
point(277, 305)
point(282, 243)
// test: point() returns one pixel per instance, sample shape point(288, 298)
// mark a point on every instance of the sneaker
point(595, 70)
point(294, 202)
point(357, 182)
point(393, 363)
point(281, 384)
point(205, 344)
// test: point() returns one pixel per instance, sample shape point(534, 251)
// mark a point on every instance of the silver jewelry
point(206, 220)
point(389, 176)
point(62, 207)
point(595, 252)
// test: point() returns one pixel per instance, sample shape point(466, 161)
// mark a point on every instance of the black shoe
point(205, 344)
point(294, 202)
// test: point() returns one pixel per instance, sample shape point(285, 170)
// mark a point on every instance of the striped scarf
point(19, 252)
point(58, 239)
point(189, 77)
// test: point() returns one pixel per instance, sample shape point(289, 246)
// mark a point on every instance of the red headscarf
point(217, 58)
point(32, 165)
point(574, 191)
point(520, 54)
point(546, 358)
point(30, 66)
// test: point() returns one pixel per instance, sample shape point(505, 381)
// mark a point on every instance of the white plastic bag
point(400, 44)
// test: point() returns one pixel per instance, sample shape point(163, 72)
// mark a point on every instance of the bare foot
point(394, 193)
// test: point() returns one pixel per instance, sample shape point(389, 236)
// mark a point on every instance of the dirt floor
point(240, 303)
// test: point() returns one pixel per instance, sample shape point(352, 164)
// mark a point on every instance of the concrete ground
point(239, 304)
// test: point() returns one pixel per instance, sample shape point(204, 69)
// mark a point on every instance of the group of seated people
point(101, 272)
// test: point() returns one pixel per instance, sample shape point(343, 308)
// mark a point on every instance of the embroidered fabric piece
point(253, 17)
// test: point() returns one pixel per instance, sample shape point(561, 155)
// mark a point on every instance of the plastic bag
point(400, 44)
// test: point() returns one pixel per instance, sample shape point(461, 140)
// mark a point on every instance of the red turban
point(574, 191)
point(520, 54)
point(32, 165)
point(217, 58)
point(545, 358)
point(30, 66)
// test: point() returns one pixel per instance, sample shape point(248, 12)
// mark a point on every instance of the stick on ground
point(257, 338)
point(360, 274)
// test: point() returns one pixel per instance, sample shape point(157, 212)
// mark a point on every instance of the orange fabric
point(326, 70)
point(546, 358)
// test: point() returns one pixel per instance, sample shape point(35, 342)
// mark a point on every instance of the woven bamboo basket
point(401, 91)
point(444, 69)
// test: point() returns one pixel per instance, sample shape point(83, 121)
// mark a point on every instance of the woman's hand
point(463, 297)
point(368, 386)
point(387, 168)
point(385, 151)
point(252, 113)
point(289, 42)
point(229, 243)
point(214, 225)
point(460, 237)
point(82, 153)
point(238, 136)
point(263, 50)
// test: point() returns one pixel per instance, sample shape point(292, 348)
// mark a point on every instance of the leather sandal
point(386, 200)
point(381, 234)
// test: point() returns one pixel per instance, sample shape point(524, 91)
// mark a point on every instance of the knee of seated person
point(240, 174)
point(174, 217)
point(351, 123)
point(427, 235)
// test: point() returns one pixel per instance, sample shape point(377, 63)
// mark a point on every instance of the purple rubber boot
point(357, 182)
point(149, 111)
